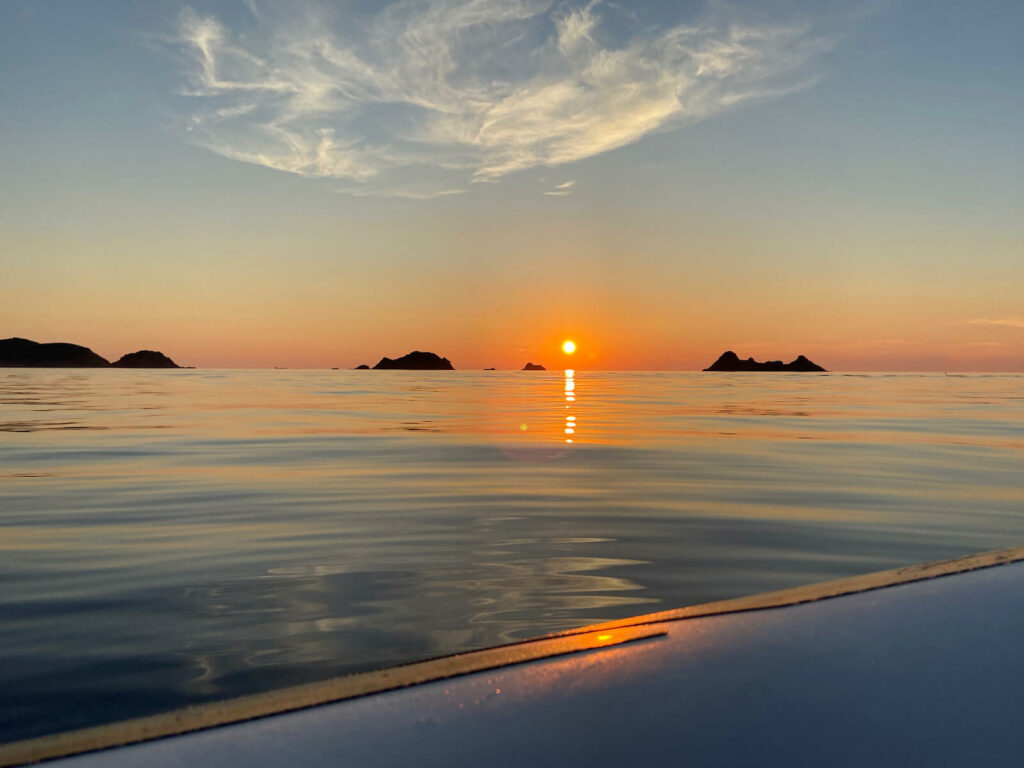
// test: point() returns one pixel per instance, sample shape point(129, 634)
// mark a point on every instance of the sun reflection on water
point(570, 397)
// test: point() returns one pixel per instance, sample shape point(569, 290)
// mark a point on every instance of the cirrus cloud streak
point(1010, 321)
point(427, 96)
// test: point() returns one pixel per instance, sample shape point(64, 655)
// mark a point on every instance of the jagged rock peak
point(730, 361)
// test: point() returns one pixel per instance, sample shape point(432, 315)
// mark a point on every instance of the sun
point(568, 347)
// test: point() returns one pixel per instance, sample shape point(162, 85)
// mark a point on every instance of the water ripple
point(180, 536)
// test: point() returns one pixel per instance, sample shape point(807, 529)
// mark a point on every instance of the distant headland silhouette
point(415, 361)
point(730, 361)
point(23, 353)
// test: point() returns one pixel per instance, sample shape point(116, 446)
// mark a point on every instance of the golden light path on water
point(570, 398)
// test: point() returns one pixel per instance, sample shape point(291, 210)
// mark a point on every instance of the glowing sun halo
point(568, 347)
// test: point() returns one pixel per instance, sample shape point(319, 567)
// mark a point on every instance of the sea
point(175, 537)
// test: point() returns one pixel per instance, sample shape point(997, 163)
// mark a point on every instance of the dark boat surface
point(915, 666)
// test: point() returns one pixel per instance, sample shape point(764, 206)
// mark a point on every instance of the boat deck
point(928, 672)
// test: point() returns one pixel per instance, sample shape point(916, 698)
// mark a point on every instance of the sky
point(319, 184)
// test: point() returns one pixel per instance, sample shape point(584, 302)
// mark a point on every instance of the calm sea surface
point(182, 536)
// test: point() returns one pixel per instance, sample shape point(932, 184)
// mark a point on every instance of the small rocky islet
point(730, 361)
point(145, 358)
point(415, 361)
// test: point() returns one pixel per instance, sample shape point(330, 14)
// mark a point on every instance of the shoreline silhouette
point(16, 352)
point(23, 353)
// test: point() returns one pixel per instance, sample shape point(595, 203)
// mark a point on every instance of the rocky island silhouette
point(24, 353)
point(145, 358)
point(415, 361)
point(534, 367)
point(730, 361)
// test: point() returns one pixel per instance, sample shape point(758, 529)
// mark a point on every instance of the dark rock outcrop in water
point(363, 367)
point(146, 358)
point(730, 361)
point(22, 353)
point(415, 361)
point(533, 367)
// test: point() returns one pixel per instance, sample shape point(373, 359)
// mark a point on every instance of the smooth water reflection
point(173, 537)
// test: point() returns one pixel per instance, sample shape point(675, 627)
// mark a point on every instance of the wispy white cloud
point(427, 96)
point(561, 190)
point(1010, 321)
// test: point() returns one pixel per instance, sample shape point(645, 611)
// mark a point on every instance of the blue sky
point(857, 159)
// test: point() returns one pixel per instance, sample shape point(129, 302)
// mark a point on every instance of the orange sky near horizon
point(199, 300)
point(313, 339)
point(672, 295)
